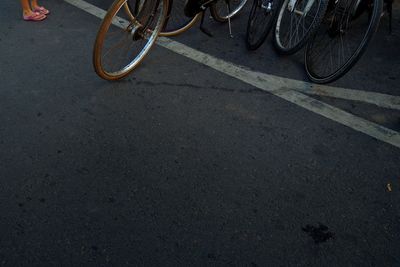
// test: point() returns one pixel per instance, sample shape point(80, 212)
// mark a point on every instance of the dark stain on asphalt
point(319, 234)
point(211, 256)
point(83, 171)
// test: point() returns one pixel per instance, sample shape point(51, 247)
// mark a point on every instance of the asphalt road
point(180, 165)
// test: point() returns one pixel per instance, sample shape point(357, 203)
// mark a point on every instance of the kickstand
point(228, 5)
point(204, 30)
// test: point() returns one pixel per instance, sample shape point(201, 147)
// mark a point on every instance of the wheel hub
point(136, 30)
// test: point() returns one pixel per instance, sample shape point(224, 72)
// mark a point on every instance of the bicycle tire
point(281, 45)
point(138, 29)
point(217, 7)
point(263, 10)
point(359, 50)
point(176, 22)
point(174, 30)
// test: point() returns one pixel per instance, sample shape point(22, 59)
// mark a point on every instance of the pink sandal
point(35, 16)
point(41, 10)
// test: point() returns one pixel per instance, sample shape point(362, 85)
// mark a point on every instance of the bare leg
point(26, 9)
point(34, 4)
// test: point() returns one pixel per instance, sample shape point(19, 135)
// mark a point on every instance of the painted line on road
point(378, 99)
point(285, 88)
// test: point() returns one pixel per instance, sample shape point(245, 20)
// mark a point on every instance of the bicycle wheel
point(296, 22)
point(261, 19)
point(176, 22)
point(221, 10)
point(124, 39)
point(342, 39)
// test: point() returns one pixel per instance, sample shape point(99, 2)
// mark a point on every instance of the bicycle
point(177, 22)
point(140, 22)
point(123, 41)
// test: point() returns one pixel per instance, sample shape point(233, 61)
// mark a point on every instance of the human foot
point(41, 10)
point(34, 16)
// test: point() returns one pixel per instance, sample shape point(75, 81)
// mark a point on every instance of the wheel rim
point(338, 42)
point(177, 21)
point(294, 25)
point(235, 6)
point(125, 39)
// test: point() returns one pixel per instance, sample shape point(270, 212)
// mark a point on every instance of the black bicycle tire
point(267, 29)
point(373, 27)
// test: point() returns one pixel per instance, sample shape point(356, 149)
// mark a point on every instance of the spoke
point(118, 45)
point(291, 33)
point(126, 53)
point(322, 58)
point(287, 32)
point(342, 48)
point(116, 61)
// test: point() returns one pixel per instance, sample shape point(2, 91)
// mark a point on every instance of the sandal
point(41, 10)
point(35, 16)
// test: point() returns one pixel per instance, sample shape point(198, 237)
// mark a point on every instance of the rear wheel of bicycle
point(296, 22)
point(224, 9)
point(261, 19)
point(124, 39)
point(176, 22)
point(342, 39)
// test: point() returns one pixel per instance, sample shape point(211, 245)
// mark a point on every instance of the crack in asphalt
point(193, 86)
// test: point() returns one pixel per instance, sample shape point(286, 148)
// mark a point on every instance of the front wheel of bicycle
point(124, 39)
point(342, 39)
point(221, 10)
point(296, 22)
point(261, 19)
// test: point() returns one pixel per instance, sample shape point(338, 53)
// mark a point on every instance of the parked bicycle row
point(334, 33)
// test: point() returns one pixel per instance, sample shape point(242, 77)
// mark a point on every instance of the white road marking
point(378, 99)
point(287, 88)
